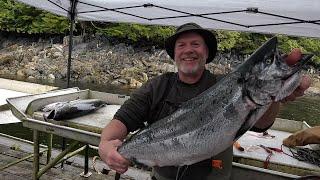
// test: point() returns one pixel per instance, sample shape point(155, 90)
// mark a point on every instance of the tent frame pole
point(71, 15)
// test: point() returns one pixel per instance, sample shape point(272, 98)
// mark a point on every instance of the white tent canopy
point(291, 17)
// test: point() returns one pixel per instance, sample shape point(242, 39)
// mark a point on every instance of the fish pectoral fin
point(49, 115)
point(243, 129)
point(250, 121)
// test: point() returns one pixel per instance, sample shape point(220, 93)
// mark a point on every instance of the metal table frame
point(24, 109)
point(79, 136)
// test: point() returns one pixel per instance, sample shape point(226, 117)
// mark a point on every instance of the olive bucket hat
point(207, 35)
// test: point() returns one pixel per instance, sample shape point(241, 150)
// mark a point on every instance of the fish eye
point(268, 61)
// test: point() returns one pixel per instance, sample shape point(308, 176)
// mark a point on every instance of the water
point(63, 84)
point(303, 109)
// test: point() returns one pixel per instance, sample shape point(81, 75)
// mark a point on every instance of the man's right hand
point(109, 154)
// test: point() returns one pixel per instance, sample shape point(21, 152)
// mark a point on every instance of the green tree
point(17, 17)
point(49, 23)
point(136, 33)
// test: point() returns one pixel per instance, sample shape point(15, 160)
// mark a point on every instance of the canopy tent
point(291, 17)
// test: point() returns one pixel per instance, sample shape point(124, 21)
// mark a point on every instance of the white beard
point(193, 70)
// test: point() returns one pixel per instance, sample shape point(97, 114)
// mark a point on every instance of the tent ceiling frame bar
point(204, 15)
point(286, 17)
point(57, 5)
point(115, 10)
point(197, 15)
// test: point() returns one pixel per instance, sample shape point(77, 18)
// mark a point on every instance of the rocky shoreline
point(101, 62)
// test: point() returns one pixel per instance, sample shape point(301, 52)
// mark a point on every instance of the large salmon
point(209, 123)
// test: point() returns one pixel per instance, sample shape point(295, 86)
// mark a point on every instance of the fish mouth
point(299, 65)
point(292, 80)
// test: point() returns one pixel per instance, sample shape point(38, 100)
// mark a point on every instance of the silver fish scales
point(209, 123)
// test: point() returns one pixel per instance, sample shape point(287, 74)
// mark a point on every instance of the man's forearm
point(114, 130)
point(111, 138)
point(269, 116)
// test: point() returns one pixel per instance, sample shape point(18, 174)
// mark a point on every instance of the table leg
point(50, 136)
point(86, 172)
point(36, 154)
point(86, 160)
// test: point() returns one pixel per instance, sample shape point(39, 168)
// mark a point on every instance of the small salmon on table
point(71, 109)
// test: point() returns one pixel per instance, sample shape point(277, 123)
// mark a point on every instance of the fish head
point(267, 77)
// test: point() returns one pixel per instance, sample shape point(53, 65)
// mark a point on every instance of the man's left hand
point(305, 82)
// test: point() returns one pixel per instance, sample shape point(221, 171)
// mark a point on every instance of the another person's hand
point(305, 82)
point(109, 154)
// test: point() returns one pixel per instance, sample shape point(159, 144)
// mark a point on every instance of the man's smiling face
point(190, 53)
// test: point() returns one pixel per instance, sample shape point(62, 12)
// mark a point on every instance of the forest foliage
point(20, 18)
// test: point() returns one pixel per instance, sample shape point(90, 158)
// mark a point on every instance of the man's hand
point(305, 82)
point(109, 154)
point(109, 144)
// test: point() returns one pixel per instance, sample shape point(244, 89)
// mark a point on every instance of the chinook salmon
point(71, 109)
point(209, 123)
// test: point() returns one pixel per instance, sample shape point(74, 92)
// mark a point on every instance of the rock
point(5, 70)
point(131, 72)
point(51, 81)
point(89, 79)
point(123, 81)
point(35, 58)
point(63, 72)
point(144, 77)
point(30, 72)
point(120, 64)
point(115, 83)
point(109, 53)
point(6, 59)
point(57, 54)
point(145, 63)
point(58, 47)
point(134, 83)
point(115, 76)
point(42, 54)
point(75, 40)
point(166, 67)
point(21, 73)
point(51, 76)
